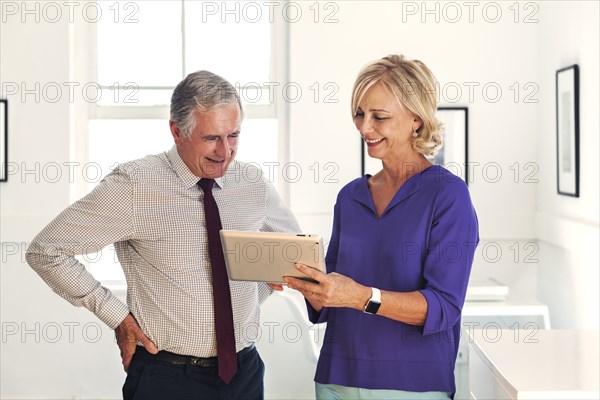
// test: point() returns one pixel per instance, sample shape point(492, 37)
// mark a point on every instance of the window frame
point(278, 109)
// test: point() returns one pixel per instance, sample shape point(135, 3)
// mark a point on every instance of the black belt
point(176, 359)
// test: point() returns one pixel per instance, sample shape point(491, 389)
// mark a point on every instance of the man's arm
point(102, 217)
point(279, 218)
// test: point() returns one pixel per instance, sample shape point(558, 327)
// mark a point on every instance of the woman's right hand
point(332, 290)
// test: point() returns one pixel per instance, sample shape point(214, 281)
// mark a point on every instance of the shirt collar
point(183, 172)
point(412, 185)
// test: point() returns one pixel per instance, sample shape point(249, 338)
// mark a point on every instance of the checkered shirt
point(152, 210)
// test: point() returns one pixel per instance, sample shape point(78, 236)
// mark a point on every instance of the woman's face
point(385, 125)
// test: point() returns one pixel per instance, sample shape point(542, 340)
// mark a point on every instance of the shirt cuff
point(434, 317)
point(113, 311)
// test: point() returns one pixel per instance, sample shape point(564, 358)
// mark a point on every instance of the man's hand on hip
point(128, 334)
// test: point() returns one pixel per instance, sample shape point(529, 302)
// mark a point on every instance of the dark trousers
point(149, 377)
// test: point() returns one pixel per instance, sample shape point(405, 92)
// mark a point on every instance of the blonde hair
point(414, 86)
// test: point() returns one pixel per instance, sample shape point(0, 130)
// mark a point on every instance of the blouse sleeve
point(452, 241)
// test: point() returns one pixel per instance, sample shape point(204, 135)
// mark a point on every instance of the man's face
point(213, 143)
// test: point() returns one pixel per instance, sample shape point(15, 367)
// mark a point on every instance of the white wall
point(568, 227)
point(502, 133)
point(39, 129)
point(70, 352)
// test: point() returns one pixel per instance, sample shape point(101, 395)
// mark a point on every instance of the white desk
point(550, 364)
point(514, 306)
point(516, 312)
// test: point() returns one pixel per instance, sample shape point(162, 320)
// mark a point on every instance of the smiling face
point(213, 143)
point(385, 125)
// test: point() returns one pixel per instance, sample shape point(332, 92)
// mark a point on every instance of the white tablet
point(269, 256)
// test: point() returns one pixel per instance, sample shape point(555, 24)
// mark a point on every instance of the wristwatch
point(374, 302)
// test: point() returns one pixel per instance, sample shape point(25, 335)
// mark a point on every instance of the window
point(144, 48)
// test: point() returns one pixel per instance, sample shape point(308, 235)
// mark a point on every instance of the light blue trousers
point(337, 392)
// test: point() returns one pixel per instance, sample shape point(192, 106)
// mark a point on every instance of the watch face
point(372, 307)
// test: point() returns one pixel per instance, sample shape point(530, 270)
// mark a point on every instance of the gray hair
point(200, 91)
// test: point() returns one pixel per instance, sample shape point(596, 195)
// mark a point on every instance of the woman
point(400, 254)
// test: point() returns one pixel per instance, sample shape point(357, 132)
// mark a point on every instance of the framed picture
point(567, 131)
point(3, 140)
point(453, 155)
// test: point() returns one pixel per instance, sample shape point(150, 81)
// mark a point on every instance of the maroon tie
point(227, 358)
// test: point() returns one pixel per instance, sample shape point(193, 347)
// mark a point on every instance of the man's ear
point(175, 132)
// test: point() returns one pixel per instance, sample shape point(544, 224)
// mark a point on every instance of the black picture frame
point(3, 140)
point(567, 131)
point(454, 154)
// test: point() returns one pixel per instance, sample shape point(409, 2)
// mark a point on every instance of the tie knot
point(206, 184)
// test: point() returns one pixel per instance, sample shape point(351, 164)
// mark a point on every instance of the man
point(163, 213)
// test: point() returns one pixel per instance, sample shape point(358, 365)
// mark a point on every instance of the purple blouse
point(424, 240)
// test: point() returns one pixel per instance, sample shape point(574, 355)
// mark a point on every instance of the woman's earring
point(415, 133)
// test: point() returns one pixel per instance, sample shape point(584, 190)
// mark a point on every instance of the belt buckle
point(203, 362)
point(196, 361)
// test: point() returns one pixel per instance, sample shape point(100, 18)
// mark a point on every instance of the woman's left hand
point(332, 290)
